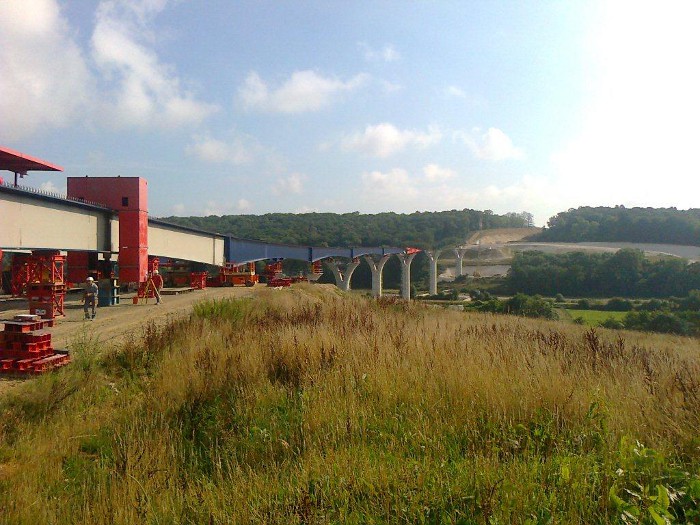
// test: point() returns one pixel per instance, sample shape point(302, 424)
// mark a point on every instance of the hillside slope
point(312, 406)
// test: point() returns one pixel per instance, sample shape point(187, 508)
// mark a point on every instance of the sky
point(252, 107)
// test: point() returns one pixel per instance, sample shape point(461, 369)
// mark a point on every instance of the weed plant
point(311, 406)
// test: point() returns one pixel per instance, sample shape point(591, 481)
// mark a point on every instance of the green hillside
point(620, 224)
point(419, 229)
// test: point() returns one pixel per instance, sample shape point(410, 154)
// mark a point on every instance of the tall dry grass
point(311, 406)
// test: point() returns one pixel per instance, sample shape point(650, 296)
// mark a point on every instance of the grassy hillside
point(308, 406)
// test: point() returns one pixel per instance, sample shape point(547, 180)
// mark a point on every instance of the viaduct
point(107, 217)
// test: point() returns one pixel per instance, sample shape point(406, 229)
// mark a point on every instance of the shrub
point(612, 323)
point(617, 304)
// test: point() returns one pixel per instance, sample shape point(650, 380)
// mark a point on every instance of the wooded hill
point(620, 224)
point(418, 229)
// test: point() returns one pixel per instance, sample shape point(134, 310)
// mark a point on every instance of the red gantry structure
point(21, 164)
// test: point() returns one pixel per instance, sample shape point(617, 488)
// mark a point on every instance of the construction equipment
point(232, 274)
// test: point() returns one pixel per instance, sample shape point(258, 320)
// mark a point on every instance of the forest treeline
point(625, 273)
point(418, 229)
point(620, 224)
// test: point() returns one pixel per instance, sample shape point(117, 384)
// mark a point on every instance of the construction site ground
point(114, 323)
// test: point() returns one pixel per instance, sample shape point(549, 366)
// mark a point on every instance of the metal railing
point(51, 194)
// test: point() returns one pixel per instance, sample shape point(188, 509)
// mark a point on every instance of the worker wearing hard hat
point(90, 298)
point(157, 285)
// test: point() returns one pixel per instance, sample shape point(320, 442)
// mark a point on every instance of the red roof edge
point(17, 162)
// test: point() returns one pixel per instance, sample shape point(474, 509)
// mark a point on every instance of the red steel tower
point(129, 197)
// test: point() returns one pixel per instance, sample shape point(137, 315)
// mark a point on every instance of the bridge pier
point(433, 255)
point(459, 254)
point(406, 260)
point(377, 268)
point(342, 279)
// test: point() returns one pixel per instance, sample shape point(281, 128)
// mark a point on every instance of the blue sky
point(253, 107)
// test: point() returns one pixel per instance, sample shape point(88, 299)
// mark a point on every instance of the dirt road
point(114, 323)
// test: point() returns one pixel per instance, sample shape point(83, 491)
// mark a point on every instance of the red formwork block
point(15, 354)
point(47, 363)
point(24, 365)
point(24, 326)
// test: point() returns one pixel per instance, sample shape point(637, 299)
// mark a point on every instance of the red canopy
point(17, 162)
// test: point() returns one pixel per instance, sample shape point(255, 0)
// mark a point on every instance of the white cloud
point(385, 54)
point(50, 187)
point(383, 140)
point(492, 145)
point(393, 186)
point(294, 183)
point(178, 208)
point(45, 82)
point(399, 190)
point(390, 87)
point(244, 205)
point(238, 150)
point(434, 173)
point(455, 91)
point(148, 92)
point(304, 91)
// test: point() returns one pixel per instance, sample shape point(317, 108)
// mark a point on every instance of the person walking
point(157, 285)
point(90, 298)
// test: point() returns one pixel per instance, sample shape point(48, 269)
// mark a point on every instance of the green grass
point(595, 317)
point(309, 406)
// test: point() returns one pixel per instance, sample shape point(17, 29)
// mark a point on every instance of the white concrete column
point(377, 268)
point(459, 254)
point(406, 260)
point(433, 255)
point(342, 279)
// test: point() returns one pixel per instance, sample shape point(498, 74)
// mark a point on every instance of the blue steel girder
point(244, 250)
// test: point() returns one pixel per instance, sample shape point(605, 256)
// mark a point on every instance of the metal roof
point(17, 162)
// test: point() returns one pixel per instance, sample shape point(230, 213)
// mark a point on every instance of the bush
point(529, 306)
point(559, 298)
point(612, 323)
point(617, 304)
point(653, 305)
point(583, 304)
point(664, 322)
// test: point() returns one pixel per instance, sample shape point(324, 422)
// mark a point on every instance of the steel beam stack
point(26, 348)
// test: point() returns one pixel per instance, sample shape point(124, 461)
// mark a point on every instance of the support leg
point(406, 260)
point(377, 268)
point(342, 279)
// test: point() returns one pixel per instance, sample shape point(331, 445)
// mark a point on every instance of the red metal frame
point(198, 280)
